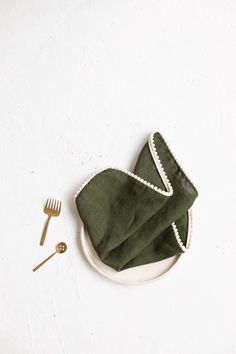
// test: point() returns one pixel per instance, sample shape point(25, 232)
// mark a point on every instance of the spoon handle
point(47, 259)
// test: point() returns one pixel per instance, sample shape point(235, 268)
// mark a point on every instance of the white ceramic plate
point(135, 275)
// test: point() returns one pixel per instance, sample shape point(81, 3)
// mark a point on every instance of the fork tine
point(55, 205)
point(47, 203)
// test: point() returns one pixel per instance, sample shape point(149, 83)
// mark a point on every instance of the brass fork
point(52, 208)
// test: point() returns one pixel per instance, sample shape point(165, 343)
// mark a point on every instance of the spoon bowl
point(61, 247)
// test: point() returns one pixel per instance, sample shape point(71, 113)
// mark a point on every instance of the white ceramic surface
point(135, 275)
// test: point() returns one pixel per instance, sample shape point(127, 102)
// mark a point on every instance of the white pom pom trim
point(168, 192)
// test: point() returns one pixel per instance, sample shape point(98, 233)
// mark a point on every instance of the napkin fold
point(139, 217)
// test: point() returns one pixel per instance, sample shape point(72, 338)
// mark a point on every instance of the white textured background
point(82, 84)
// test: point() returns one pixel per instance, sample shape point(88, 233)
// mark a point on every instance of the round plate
point(135, 275)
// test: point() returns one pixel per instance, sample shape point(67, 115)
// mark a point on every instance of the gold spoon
point(60, 248)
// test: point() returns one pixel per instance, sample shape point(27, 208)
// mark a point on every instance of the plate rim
point(84, 245)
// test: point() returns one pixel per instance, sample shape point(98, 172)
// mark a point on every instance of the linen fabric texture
point(141, 217)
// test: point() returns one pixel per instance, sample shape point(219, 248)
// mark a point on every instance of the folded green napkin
point(140, 217)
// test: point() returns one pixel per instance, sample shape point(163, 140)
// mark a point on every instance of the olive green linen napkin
point(140, 217)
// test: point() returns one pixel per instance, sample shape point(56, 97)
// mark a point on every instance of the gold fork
point(52, 208)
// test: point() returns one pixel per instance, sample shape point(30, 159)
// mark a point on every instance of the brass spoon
point(60, 248)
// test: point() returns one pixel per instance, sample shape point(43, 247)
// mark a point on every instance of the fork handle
point(45, 231)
